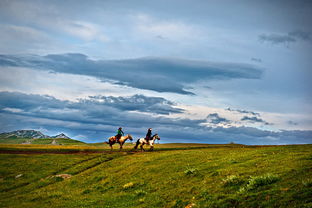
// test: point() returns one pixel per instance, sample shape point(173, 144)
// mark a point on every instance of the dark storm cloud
point(27, 102)
point(243, 111)
point(158, 74)
point(254, 120)
point(97, 110)
point(94, 119)
point(216, 119)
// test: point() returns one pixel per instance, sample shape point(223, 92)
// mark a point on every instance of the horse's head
point(156, 137)
point(130, 137)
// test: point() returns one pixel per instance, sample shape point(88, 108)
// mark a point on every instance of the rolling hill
point(217, 176)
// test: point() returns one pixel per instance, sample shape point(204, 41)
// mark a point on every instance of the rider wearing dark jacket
point(149, 134)
point(119, 134)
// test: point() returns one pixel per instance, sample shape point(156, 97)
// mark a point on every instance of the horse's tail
point(137, 144)
point(108, 141)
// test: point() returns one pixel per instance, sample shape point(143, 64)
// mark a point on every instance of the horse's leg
point(111, 145)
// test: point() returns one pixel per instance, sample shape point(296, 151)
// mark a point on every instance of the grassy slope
point(209, 177)
point(12, 141)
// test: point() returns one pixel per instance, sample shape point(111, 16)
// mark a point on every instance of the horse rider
point(148, 135)
point(119, 134)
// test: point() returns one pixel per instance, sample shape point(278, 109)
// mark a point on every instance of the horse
point(143, 141)
point(121, 141)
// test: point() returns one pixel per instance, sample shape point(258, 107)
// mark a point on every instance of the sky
point(194, 71)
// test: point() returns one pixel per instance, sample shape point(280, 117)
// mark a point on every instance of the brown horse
point(122, 140)
point(143, 141)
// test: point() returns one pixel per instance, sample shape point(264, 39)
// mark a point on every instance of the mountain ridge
point(31, 134)
point(61, 136)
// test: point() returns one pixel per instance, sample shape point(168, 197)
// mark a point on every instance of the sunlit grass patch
point(307, 182)
point(232, 180)
point(128, 185)
point(191, 171)
point(258, 181)
point(140, 192)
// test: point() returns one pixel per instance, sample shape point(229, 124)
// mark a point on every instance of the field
point(58, 141)
point(174, 175)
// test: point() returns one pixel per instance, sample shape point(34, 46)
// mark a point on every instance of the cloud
point(160, 37)
point(256, 60)
point(157, 74)
point(103, 110)
point(25, 38)
point(276, 39)
point(85, 30)
point(243, 111)
point(93, 108)
point(286, 39)
point(156, 105)
point(165, 29)
point(38, 111)
point(95, 120)
point(298, 34)
point(254, 120)
point(292, 123)
point(214, 118)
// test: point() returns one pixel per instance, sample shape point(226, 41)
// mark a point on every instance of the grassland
point(178, 176)
point(57, 141)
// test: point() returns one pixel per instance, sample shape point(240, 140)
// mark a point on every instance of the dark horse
point(143, 141)
point(122, 140)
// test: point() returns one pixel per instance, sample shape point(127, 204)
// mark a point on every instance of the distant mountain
point(36, 137)
point(61, 136)
point(30, 134)
point(24, 134)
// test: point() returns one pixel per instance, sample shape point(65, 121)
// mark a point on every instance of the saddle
point(115, 138)
point(147, 140)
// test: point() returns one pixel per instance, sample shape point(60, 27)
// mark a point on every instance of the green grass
point(210, 176)
point(13, 141)
point(59, 141)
